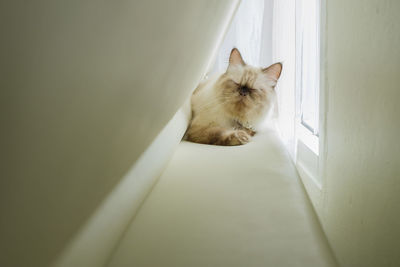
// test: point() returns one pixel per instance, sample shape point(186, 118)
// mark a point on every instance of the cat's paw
point(238, 137)
point(251, 132)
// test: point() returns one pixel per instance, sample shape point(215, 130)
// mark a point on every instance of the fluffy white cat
point(227, 109)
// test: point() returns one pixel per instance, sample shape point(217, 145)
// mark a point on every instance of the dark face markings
point(244, 89)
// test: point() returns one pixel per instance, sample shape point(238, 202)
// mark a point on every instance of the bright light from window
point(308, 36)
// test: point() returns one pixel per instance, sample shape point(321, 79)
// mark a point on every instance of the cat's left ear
point(273, 72)
point(235, 58)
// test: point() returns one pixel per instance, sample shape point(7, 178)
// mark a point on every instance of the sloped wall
point(86, 86)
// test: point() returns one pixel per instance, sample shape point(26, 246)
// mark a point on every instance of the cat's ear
point(235, 58)
point(273, 72)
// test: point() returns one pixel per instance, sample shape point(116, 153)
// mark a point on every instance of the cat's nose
point(243, 91)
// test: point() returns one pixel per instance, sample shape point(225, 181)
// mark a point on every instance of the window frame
point(309, 144)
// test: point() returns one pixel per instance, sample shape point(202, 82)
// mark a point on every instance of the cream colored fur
point(228, 108)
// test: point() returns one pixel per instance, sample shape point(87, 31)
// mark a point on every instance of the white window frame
point(309, 148)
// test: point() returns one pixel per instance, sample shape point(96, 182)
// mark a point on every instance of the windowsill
point(309, 139)
point(219, 198)
point(307, 159)
point(307, 163)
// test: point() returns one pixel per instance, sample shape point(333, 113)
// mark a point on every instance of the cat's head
point(246, 92)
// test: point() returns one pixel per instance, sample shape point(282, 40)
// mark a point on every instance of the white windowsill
point(309, 139)
point(307, 159)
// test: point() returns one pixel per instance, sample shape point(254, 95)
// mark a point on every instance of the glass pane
point(310, 65)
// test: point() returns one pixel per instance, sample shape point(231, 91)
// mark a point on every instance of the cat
point(227, 109)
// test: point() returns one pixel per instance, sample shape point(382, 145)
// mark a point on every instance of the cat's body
point(227, 109)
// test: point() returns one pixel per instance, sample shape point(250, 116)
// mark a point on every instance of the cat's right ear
point(235, 58)
point(273, 72)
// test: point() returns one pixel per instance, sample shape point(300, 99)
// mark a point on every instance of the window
point(250, 32)
point(308, 87)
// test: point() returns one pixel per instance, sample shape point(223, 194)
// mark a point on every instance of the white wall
point(94, 243)
point(360, 201)
point(86, 86)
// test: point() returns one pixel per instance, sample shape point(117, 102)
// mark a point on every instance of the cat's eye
point(242, 87)
point(235, 83)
